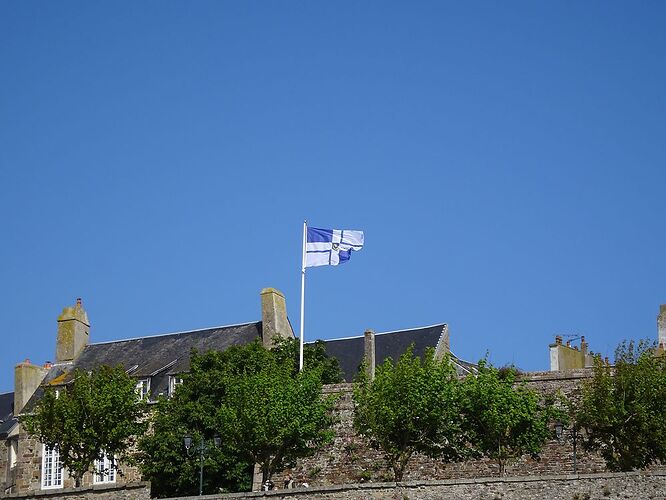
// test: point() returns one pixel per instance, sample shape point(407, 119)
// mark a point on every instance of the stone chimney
point(73, 332)
point(369, 354)
point(27, 378)
point(274, 320)
point(661, 325)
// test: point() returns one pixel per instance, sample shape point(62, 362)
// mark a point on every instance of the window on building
point(51, 468)
point(12, 453)
point(174, 381)
point(104, 471)
point(143, 388)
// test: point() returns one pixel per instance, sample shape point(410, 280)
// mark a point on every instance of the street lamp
point(559, 430)
point(203, 449)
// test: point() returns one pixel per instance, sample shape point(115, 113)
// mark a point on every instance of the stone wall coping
point(64, 492)
point(420, 484)
point(574, 374)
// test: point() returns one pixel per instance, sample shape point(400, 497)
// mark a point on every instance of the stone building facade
point(155, 362)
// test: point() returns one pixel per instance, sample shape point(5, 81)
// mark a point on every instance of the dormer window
point(174, 381)
point(143, 388)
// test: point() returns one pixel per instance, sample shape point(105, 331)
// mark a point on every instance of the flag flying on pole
point(330, 247)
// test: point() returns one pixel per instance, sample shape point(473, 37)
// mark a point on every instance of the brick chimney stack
point(661, 325)
point(274, 321)
point(73, 332)
point(369, 353)
point(27, 378)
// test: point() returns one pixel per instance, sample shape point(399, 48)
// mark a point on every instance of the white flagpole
point(305, 231)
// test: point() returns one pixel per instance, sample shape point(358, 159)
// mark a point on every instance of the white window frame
point(52, 471)
point(143, 388)
point(174, 381)
point(104, 473)
point(12, 453)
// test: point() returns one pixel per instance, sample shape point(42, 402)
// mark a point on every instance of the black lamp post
point(202, 448)
point(559, 429)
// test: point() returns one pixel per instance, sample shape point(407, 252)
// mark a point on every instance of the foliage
point(97, 412)
point(271, 413)
point(264, 411)
point(411, 406)
point(623, 409)
point(314, 358)
point(506, 419)
point(165, 461)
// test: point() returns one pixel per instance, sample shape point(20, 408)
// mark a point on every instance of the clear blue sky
point(506, 160)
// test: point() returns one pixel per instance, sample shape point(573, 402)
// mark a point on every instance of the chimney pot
point(558, 339)
point(568, 343)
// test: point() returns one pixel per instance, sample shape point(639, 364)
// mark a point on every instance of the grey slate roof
point(349, 351)
point(7, 420)
point(155, 357)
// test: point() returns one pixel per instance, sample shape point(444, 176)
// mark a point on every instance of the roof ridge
point(174, 333)
point(381, 333)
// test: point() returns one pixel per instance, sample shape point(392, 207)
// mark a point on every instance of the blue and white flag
point(330, 247)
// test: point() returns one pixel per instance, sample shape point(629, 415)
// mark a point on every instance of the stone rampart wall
point(130, 491)
point(603, 486)
point(348, 459)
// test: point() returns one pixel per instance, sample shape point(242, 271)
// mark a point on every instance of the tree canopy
point(314, 358)
point(622, 411)
point(411, 406)
point(505, 418)
point(98, 412)
point(264, 410)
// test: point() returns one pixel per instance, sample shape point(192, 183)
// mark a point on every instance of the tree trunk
point(399, 466)
point(398, 472)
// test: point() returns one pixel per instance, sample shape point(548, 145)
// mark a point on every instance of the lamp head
point(559, 428)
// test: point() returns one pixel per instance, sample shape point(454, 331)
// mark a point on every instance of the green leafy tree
point(506, 419)
point(164, 460)
point(97, 412)
point(271, 413)
point(623, 408)
point(262, 408)
point(411, 406)
point(314, 358)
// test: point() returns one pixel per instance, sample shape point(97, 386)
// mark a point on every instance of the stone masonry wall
point(348, 459)
point(603, 486)
point(130, 491)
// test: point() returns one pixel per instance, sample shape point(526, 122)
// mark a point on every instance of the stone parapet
point(130, 491)
point(552, 487)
